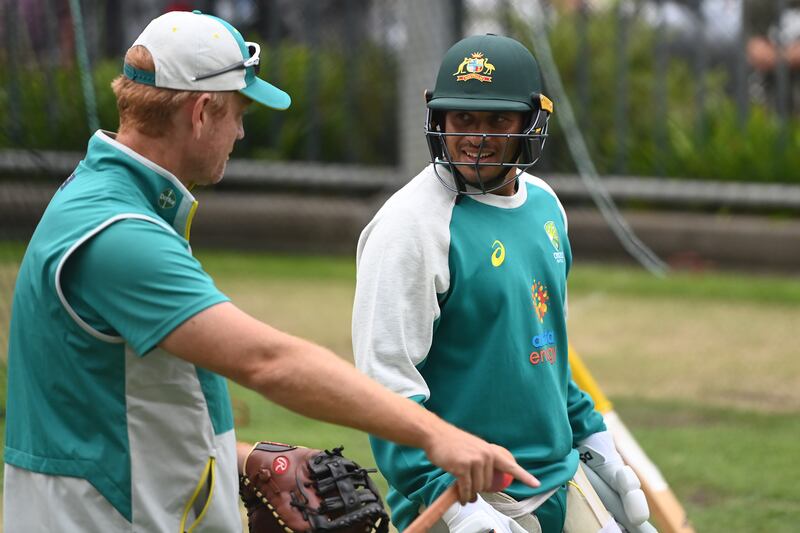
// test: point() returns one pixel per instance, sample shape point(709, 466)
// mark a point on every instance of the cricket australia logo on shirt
point(498, 253)
point(552, 233)
point(167, 199)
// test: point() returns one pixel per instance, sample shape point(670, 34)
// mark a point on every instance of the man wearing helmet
point(460, 305)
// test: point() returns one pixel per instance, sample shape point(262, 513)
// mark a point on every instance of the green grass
point(693, 286)
point(584, 278)
point(733, 470)
point(11, 250)
point(702, 368)
point(277, 266)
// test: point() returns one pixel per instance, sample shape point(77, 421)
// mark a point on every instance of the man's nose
point(475, 140)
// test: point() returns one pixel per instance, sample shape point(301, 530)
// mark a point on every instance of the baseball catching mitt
point(291, 489)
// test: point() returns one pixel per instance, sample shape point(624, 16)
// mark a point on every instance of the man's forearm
point(338, 393)
point(315, 382)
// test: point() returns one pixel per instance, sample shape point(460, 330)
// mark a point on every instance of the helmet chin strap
point(494, 183)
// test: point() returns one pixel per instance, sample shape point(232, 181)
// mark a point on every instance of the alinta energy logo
point(544, 348)
point(547, 353)
point(540, 298)
point(544, 342)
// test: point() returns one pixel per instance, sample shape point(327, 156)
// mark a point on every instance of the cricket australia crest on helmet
point(475, 67)
point(488, 73)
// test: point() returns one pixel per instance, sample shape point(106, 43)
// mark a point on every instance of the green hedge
point(760, 150)
point(721, 149)
point(364, 132)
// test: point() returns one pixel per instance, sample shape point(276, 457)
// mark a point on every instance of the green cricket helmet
point(488, 73)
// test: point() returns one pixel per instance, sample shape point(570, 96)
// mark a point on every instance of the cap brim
point(478, 104)
point(267, 94)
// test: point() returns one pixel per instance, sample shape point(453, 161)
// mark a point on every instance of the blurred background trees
point(690, 89)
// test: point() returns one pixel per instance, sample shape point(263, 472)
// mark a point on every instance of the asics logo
point(498, 253)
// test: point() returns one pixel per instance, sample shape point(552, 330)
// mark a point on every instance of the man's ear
point(199, 114)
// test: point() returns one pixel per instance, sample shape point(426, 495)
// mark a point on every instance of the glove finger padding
point(633, 499)
point(479, 517)
point(601, 458)
point(613, 503)
point(292, 489)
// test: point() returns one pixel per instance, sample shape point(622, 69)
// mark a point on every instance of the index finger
point(519, 473)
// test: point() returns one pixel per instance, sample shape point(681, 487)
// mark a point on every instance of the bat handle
point(433, 513)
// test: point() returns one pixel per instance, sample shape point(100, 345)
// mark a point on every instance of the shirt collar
point(495, 200)
point(170, 198)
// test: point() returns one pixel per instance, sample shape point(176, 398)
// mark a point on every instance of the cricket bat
point(665, 509)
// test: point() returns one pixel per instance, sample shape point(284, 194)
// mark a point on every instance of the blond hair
point(149, 109)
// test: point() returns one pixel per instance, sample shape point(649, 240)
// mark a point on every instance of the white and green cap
point(193, 51)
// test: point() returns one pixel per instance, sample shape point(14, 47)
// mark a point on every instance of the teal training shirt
point(461, 306)
point(107, 275)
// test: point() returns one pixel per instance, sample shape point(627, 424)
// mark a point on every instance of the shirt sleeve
point(401, 271)
point(584, 419)
point(137, 280)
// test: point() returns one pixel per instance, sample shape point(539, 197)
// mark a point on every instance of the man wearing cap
point(461, 303)
point(118, 417)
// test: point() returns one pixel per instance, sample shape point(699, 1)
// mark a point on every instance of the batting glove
point(479, 517)
point(618, 487)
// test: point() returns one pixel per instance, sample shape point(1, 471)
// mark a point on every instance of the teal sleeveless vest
point(146, 430)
